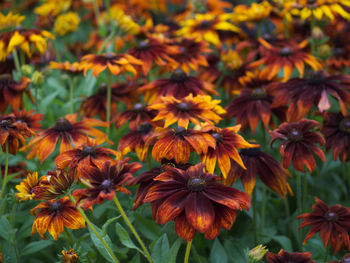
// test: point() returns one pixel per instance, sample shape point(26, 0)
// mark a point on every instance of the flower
point(153, 50)
point(54, 215)
point(225, 148)
point(284, 256)
point(30, 118)
point(25, 188)
point(124, 22)
point(286, 56)
point(179, 85)
point(116, 63)
point(178, 143)
point(195, 201)
point(69, 131)
point(331, 221)
point(105, 181)
point(66, 23)
point(263, 164)
point(312, 90)
point(86, 154)
point(53, 7)
point(10, 20)
point(11, 91)
point(206, 27)
point(254, 102)
point(336, 129)
point(69, 256)
point(71, 68)
point(255, 12)
point(257, 253)
point(299, 144)
point(188, 109)
point(139, 139)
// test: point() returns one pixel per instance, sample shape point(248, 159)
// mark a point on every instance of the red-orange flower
point(195, 201)
point(71, 68)
point(104, 182)
point(333, 223)
point(286, 57)
point(284, 257)
point(54, 215)
point(68, 131)
point(299, 143)
point(30, 118)
point(179, 85)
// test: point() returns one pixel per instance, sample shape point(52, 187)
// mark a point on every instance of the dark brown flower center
point(338, 52)
point(182, 50)
point(106, 185)
point(331, 216)
point(178, 75)
point(138, 107)
point(311, 2)
point(295, 135)
point(6, 80)
point(55, 207)
point(5, 124)
point(344, 125)
point(180, 131)
point(205, 24)
point(316, 78)
point(196, 184)
point(63, 125)
point(286, 51)
point(143, 45)
point(259, 93)
point(144, 128)
point(109, 56)
point(88, 150)
point(183, 106)
point(217, 136)
point(251, 151)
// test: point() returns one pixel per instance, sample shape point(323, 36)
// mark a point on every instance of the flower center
point(205, 24)
point(338, 52)
point(331, 216)
point(109, 55)
point(183, 106)
point(217, 136)
point(88, 150)
point(144, 128)
point(182, 50)
point(316, 78)
point(178, 75)
point(6, 124)
point(55, 207)
point(286, 51)
point(196, 184)
point(346, 260)
point(295, 135)
point(311, 2)
point(106, 184)
point(259, 93)
point(143, 45)
point(251, 151)
point(180, 131)
point(344, 125)
point(63, 125)
point(138, 107)
point(5, 80)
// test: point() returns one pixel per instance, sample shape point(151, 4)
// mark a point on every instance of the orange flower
point(26, 187)
point(69, 131)
point(54, 215)
point(284, 256)
point(286, 56)
point(188, 109)
point(72, 68)
point(116, 63)
point(30, 118)
point(69, 256)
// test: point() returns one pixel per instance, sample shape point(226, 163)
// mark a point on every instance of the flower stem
point(16, 60)
point(299, 201)
point(326, 254)
point(127, 221)
point(255, 218)
point(71, 94)
point(304, 192)
point(263, 208)
point(93, 229)
point(188, 249)
point(109, 98)
point(4, 182)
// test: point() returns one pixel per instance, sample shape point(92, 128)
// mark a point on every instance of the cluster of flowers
point(268, 62)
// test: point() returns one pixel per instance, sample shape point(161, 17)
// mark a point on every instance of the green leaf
point(125, 238)
point(105, 225)
point(7, 231)
point(174, 250)
point(218, 253)
point(35, 246)
point(148, 227)
point(98, 244)
point(161, 249)
point(284, 241)
point(44, 103)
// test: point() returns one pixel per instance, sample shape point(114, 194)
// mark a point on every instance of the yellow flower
point(253, 13)
point(66, 23)
point(53, 7)
point(257, 253)
point(10, 20)
point(25, 188)
point(206, 26)
point(232, 59)
point(124, 22)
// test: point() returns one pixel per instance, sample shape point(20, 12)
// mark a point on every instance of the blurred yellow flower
point(124, 22)
point(53, 7)
point(66, 23)
point(251, 13)
point(232, 59)
point(10, 20)
point(25, 188)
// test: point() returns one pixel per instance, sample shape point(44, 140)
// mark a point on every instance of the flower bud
point(324, 51)
point(70, 256)
point(26, 70)
point(37, 78)
point(257, 253)
point(317, 33)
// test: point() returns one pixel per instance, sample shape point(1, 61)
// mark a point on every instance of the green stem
point(71, 94)
point(109, 98)
point(4, 182)
point(304, 192)
point(149, 166)
point(347, 174)
point(188, 250)
point(69, 236)
point(326, 254)
point(96, 11)
point(285, 26)
point(93, 229)
point(16, 60)
point(127, 221)
point(263, 208)
point(255, 223)
point(287, 210)
point(299, 201)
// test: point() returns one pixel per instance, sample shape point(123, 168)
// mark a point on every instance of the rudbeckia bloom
point(299, 143)
point(10, 20)
point(179, 85)
point(102, 183)
point(153, 50)
point(66, 23)
point(284, 257)
point(69, 256)
point(225, 148)
point(188, 109)
point(195, 201)
point(331, 221)
point(30, 118)
point(68, 131)
point(255, 12)
point(86, 154)
point(178, 143)
point(205, 27)
point(71, 68)
point(259, 163)
point(254, 102)
point(313, 90)
point(116, 63)
point(54, 215)
point(11, 92)
point(286, 57)
point(26, 187)
point(336, 129)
